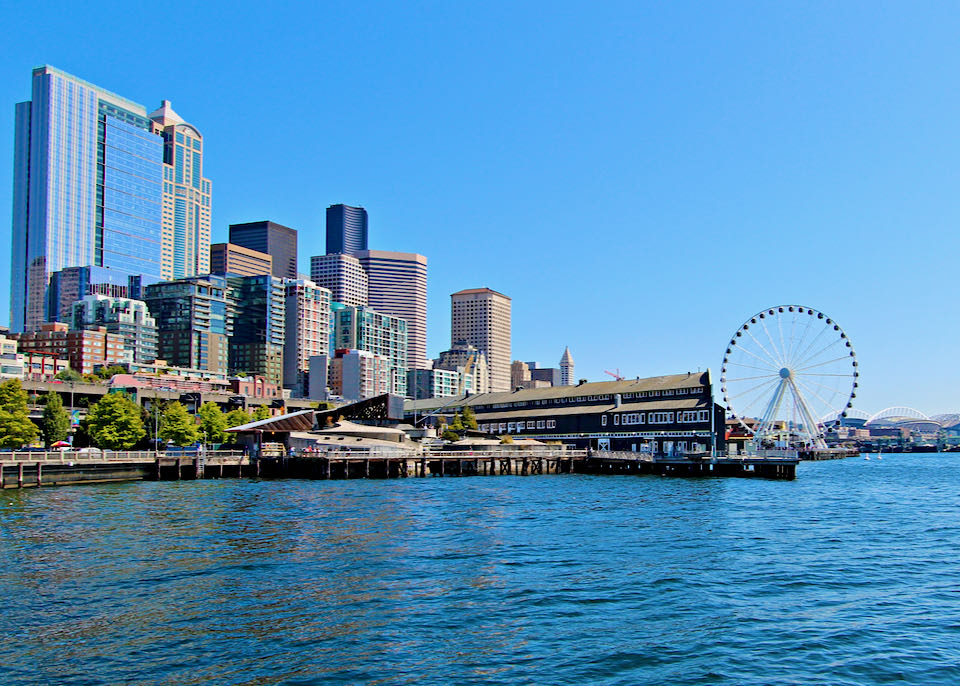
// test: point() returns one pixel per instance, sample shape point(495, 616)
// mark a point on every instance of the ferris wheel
point(784, 368)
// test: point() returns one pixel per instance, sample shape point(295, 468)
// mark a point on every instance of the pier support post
point(39, 474)
point(20, 475)
point(178, 469)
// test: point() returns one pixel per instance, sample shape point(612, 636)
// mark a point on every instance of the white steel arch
point(897, 413)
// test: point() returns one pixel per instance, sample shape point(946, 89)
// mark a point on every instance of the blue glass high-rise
point(346, 229)
point(88, 184)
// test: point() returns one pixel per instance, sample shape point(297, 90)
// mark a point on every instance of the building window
point(616, 419)
point(603, 420)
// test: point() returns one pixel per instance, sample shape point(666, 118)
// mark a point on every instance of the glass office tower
point(346, 229)
point(87, 188)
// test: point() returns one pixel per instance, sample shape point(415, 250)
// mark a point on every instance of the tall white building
point(397, 285)
point(185, 246)
point(307, 332)
point(342, 275)
point(481, 317)
point(566, 368)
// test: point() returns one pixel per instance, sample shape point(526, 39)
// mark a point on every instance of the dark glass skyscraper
point(346, 229)
point(278, 241)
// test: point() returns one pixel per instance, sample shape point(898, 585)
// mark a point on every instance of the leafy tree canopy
point(178, 426)
point(114, 422)
point(262, 412)
point(469, 419)
point(212, 423)
point(237, 417)
point(69, 375)
point(16, 429)
point(55, 423)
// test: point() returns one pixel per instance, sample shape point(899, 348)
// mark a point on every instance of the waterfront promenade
point(37, 469)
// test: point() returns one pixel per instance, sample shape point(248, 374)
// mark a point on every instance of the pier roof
point(611, 388)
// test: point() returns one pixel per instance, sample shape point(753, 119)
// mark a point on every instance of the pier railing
point(68, 456)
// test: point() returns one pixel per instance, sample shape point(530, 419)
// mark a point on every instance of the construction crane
point(616, 375)
point(467, 369)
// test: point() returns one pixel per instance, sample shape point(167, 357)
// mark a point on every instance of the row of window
point(518, 427)
point(593, 398)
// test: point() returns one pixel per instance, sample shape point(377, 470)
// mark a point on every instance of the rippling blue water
point(848, 575)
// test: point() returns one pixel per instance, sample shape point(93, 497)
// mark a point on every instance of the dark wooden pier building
point(661, 415)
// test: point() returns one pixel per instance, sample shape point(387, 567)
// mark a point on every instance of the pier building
point(662, 415)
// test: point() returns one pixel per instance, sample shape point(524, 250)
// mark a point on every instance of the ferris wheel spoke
point(750, 366)
point(832, 391)
point(752, 378)
point(798, 344)
point(811, 358)
point(768, 353)
point(751, 390)
point(815, 394)
point(783, 346)
point(810, 345)
point(821, 364)
point(754, 406)
point(846, 376)
point(756, 357)
point(778, 360)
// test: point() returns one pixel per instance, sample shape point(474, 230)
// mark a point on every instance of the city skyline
point(684, 171)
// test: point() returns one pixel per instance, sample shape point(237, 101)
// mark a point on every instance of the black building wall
point(277, 240)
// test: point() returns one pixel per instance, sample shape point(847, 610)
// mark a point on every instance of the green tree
point(469, 419)
point(262, 412)
point(178, 426)
point(449, 435)
point(69, 375)
point(237, 417)
point(16, 429)
point(457, 423)
point(212, 423)
point(55, 424)
point(506, 440)
point(114, 422)
point(108, 372)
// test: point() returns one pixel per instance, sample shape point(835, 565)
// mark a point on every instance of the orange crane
point(616, 375)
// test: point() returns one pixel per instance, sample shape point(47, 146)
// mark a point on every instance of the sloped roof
point(294, 421)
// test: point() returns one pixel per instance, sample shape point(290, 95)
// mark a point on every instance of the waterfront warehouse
point(663, 415)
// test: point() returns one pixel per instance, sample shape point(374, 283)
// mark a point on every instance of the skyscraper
point(194, 319)
point(308, 331)
point(361, 328)
point(227, 258)
point(87, 188)
point(397, 285)
point(277, 240)
point(346, 229)
point(566, 368)
point(259, 326)
point(343, 275)
point(185, 250)
point(481, 317)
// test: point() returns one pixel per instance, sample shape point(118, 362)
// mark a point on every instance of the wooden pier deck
point(36, 469)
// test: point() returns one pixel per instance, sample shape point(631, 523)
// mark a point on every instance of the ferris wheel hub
point(785, 373)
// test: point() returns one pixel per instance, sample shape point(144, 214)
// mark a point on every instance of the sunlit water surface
point(848, 575)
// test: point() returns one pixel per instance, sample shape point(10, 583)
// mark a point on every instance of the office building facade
point(481, 317)
point(308, 332)
point(397, 286)
point(342, 275)
point(259, 326)
point(194, 319)
point(88, 188)
point(227, 258)
point(185, 248)
point(358, 374)
point(346, 229)
point(276, 240)
point(85, 349)
point(130, 319)
point(469, 361)
point(362, 328)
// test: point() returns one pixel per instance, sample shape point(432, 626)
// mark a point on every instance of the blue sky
point(639, 177)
